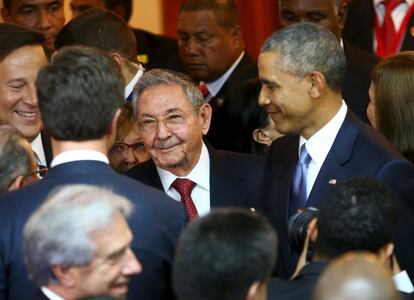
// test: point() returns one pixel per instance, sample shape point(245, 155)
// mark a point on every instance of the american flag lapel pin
point(332, 181)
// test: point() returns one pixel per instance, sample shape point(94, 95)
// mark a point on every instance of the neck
point(127, 73)
point(100, 145)
point(63, 291)
point(324, 113)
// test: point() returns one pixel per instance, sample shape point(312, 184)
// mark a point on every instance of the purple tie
point(298, 192)
point(184, 187)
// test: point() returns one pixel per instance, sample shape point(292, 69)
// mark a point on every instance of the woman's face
point(128, 152)
point(371, 111)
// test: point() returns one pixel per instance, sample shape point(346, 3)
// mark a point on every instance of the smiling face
point(327, 13)
point(18, 99)
point(285, 96)
point(43, 15)
point(175, 139)
point(114, 262)
point(206, 48)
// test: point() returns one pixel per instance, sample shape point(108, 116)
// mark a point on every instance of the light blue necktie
point(298, 191)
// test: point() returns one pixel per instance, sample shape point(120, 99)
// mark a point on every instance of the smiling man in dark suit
point(80, 94)
point(173, 118)
point(302, 68)
point(332, 15)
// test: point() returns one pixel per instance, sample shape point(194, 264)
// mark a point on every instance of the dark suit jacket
point(235, 179)
point(158, 51)
point(358, 151)
point(245, 70)
point(301, 287)
point(156, 224)
point(357, 79)
point(359, 27)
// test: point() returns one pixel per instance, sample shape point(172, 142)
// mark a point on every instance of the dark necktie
point(298, 192)
point(184, 187)
point(389, 33)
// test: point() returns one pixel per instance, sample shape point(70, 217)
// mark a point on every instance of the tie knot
point(304, 157)
point(183, 186)
point(391, 4)
point(204, 90)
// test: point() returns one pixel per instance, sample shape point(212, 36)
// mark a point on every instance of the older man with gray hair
point(302, 68)
point(77, 244)
point(17, 161)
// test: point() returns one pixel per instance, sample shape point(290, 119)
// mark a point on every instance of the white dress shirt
point(130, 86)
point(37, 148)
point(397, 14)
point(200, 174)
point(319, 144)
point(77, 155)
point(215, 86)
point(50, 294)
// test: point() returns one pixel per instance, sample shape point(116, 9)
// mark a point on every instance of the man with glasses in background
point(102, 29)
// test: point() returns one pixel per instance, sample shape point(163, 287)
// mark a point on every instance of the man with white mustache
point(173, 118)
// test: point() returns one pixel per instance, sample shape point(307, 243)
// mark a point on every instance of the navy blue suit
point(358, 151)
point(156, 223)
point(235, 179)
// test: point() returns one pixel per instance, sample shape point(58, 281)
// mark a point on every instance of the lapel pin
point(332, 181)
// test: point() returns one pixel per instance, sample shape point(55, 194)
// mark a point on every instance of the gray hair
point(15, 159)
point(158, 77)
point(306, 47)
point(58, 232)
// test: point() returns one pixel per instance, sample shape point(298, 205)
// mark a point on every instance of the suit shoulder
point(229, 157)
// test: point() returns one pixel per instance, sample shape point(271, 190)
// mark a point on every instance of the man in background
point(44, 15)
point(77, 244)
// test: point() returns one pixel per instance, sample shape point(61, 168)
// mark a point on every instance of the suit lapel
point(332, 170)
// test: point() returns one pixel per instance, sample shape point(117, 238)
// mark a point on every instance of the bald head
point(356, 276)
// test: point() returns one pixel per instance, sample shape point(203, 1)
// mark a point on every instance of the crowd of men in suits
point(84, 230)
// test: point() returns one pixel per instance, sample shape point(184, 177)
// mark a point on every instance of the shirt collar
point(215, 86)
point(50, 294)
point(37, 148)
point(133, 82)
point(76, 155)
point(378, 2)
point(200, 174)
point(319, 144)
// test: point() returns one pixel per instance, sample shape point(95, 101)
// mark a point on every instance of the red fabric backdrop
point(258, 19)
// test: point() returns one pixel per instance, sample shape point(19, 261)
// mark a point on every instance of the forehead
point(196, 21)
point(30, 56)
point(162, 98)
point(306, 6)
point(267, 63)
point(15, 4)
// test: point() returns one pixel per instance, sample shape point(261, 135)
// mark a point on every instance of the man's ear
point(64, 275)
point(17, 183)
point(260, 136)
point(114, 122)
point(118, 58)
point(236, 33)
point(205, 112)
point(313, 228)
point(386, 252)
point(342, 14)
point(317, 84)
point(257, 291)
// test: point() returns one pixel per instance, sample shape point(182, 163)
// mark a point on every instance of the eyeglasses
point(134, 65)
point(35, 175)
point(172, 122)
point(122, 148)
point(41, 172)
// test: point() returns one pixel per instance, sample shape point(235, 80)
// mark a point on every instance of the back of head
point(221, 255)
point(393, 80)
point(13, 37)
point(58, 232)
point(358, 214)
point(305, 47)
point(15, 158)
point(225, 10)
point(356, 277)
point(79, 93)
point(101, 29)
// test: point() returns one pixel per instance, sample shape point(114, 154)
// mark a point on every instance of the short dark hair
point(7, 4)
point(14, 158)
point(358, 214)
point(13, 37)
point(224, 10)
point(101, 29)
point(219, 256)
point(126, 4)
point(79, 93)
